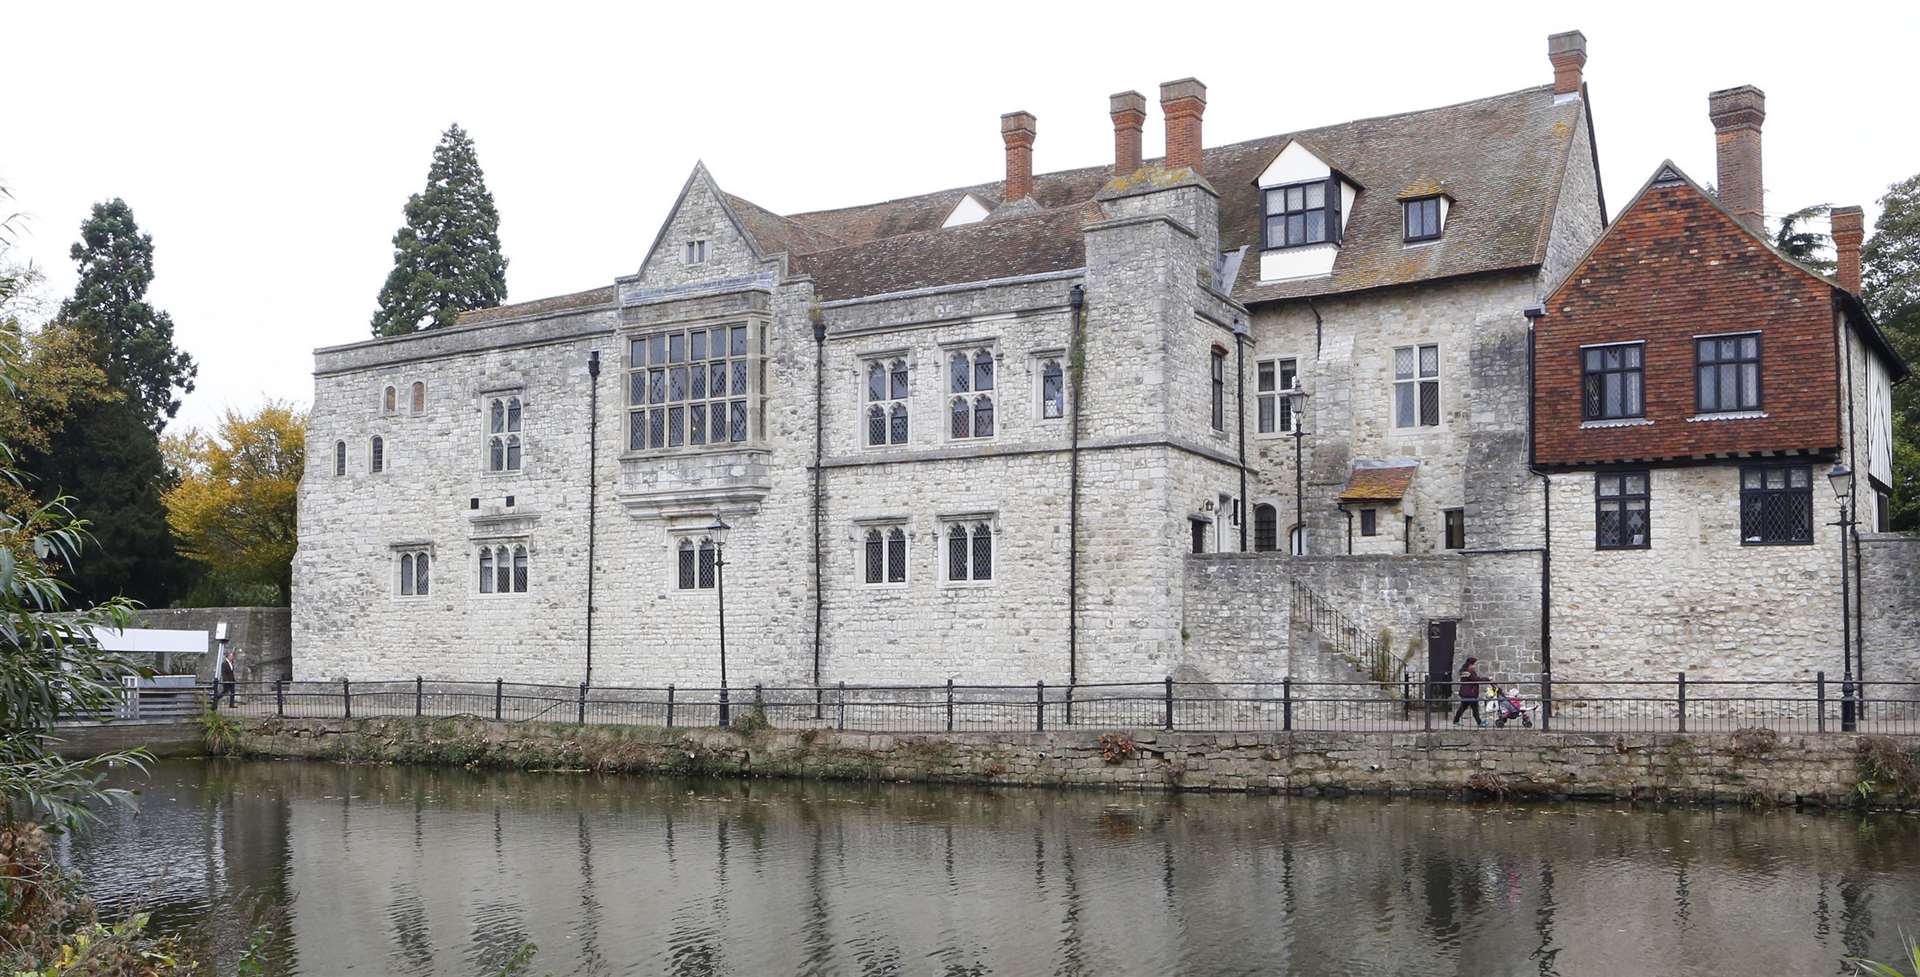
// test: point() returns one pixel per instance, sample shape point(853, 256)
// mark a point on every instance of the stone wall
point(261, 638)
point(1891, 608)
point(1749, 766)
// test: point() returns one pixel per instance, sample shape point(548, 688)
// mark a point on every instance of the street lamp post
point(718, 533)
point(1842, 480)
point(1297, 405)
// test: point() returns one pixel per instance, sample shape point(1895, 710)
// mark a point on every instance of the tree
point(110, 448)
point(1794, 240)
point(1890, 287)
point(446, 257)
point(235, 506)
point(133, 340)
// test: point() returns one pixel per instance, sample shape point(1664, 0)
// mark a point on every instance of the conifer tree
point(108, 449)
point(446, 257)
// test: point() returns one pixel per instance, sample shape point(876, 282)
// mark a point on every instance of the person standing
point(1471, 684)
point(229, 673)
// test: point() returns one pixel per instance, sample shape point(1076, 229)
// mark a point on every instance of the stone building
point(1036, 428)
point(1695, 389)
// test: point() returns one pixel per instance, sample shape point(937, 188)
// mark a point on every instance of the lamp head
point(1842, 480)
point(718, 531)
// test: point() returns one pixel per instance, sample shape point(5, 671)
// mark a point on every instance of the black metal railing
point(1401, 705)
point(1345, 634)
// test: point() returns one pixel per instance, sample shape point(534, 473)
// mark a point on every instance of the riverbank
point(1751, 766)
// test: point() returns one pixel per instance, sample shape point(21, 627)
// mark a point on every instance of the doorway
point(1440, 641)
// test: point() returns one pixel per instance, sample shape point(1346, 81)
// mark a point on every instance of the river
point(402, 870)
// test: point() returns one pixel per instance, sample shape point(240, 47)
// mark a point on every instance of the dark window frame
point(1764, 494)
point(1593, 405)
point(1618, 503)
point(1759, 373)
point(1266, 527)
point(1453, 529)
point(1428, 203)
point(1218, 381)
point(1329, 209)
point(1370, 522)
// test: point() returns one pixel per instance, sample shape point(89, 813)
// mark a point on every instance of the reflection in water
point(397, 870)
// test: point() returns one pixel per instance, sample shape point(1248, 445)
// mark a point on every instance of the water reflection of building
point(397, 871)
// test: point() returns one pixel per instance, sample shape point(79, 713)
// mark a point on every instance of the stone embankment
point(1751, 766)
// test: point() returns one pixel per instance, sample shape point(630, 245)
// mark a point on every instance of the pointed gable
point(702, 239)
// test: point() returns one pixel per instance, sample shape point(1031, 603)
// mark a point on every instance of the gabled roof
point(1371, 481)
point(1501, 159)
point(1667, 175)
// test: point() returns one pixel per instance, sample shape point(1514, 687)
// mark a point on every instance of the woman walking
point(1471, 684)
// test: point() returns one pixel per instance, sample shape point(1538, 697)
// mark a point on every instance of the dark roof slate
point(1049, 240)
point(775, 234)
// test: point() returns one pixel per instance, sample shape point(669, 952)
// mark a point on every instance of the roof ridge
point(1082, 170)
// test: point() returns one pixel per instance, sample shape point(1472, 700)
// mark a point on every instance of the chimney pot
point(1568, 53)
point(1737, 114)
point(1183, 102)
point(1129, 112)
point(1017, 131)
point(1848, 231)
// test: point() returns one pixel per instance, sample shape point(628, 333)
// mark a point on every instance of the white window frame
point(514, 547)
point(950, 392)
point(1039, 362)
point(694, 252)
point(641, 349)
point(891, 364)
point(509, 401)
point(973, 524)
point(1284, 419)
point(404, 578)
point(1413, 383)
point(890, 531)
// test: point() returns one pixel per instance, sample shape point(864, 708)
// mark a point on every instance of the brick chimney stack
point(1016, 130)
point(1129, 112)
point(1568, 53)
point(1183, 102)
point(1737, 114)
point(1848, 231)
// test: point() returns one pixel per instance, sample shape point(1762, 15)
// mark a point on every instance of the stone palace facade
point(1032, 429)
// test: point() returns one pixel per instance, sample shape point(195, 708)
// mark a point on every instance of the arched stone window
point(339, 458)
point(520, 569)
point(969, 551)
point(388, 401)
point(503, 434)
point(378, 454)
point(413, 574)
point(1266, 528)
point(887, 402)
point(1297, 541)
point(419, 397)
point(1053, 391)
point(695, 567)
point(886, 555)
point(970, 372)
point(406, 574)
point(420, 575)
point(707, 558)
point(685, 579)
point(486, 569)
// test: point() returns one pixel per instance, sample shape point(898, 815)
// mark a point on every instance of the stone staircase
point(1332, 644)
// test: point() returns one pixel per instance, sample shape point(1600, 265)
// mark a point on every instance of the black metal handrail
point(1406, 704)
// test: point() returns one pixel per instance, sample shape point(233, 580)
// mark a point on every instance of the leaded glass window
point(886, 555)
point(886, 402)
point(1416, 386)
point(1621, 517)
point(1727, 373)
point(406, 574)
point(1612, 381)
point(339, 458)
point(969, 551)
point(1776, 504)
point(1218, 382)
point(1421, 218)
point(693, 387)
point(378, 454)
point(970, 371)
point(1301, 214)
point(1266, 528)
point(504, 416)
point(1053, 390)
point(1272, 380)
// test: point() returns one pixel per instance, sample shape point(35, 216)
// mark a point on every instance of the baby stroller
point(1507, 706)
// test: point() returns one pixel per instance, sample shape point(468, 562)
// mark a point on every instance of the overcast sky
point(269, 148)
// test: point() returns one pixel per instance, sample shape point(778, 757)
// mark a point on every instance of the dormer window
point(1421, 218)
point(1301, 214)
point(696, 252)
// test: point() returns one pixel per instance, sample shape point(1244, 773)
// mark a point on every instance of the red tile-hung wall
point(1674, 266)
